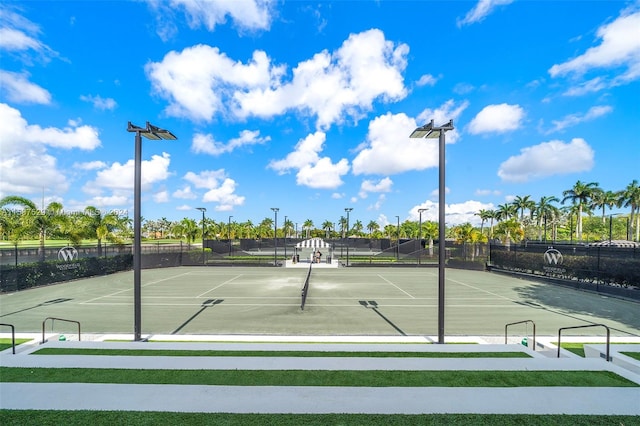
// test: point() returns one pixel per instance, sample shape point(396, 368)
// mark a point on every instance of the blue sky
point(308, 105)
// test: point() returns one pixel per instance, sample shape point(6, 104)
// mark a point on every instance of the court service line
point(396, 286)
point(130, 289)
point(224, 283)
point(483, 290)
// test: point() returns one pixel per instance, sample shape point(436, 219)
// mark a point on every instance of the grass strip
point(634, 355)
point(364, 378)
point(320, 354)
point(576, 348)
point(133, 418)
point(6, 343)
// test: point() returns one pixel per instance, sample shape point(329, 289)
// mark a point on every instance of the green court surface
point(344, 301)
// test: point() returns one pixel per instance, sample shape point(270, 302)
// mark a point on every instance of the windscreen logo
point(67, 254)
point(553, 257)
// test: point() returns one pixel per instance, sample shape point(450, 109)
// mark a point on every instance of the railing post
point(13, 336)
point(586, 326)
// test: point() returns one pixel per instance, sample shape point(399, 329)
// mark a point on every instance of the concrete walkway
point(314, 399)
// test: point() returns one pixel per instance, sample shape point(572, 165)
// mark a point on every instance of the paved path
point(314, 399)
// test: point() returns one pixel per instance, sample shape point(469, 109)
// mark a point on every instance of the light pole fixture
point(430, 131)
point(202, 209)
point(154, 133)
point(420, 234)
point(398, 239)
point(348, 209)
point(229, 234)
point(275, 236)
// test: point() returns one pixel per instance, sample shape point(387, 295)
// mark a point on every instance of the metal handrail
point(58, 319)
point(585, 326)
point(521, 322)
point(13, 336)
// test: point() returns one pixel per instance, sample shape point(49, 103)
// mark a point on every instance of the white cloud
point(389, 149)
point(481, 10)
point(378, 204)
point(497, 119)
point(427, 80)
point(383, 185)
point(20, 90)
point(455, 214)
point(119, 176)
point(434, 193)
point(200, 82)
point(619, 48)
point(99, 102)
point(337, 195)
point(548, 159)
point(161, 197)
point(207, 145)
point(484, 192)
point(185, 193)
point(90, 165)
point(312, 170)
point(221, 189)
point(19, 36)
point(574, 119)
point(247, 15)
point(25, 164)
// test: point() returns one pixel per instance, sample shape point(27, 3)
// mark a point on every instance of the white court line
point(482, 290)
point(224, 283)
point(131, 289)
point(396, 286)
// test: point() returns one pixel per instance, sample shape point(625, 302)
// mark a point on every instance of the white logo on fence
point(553, 257)
point(67, 254)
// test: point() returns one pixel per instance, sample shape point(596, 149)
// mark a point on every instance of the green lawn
point(82, 418)
point(364, 378)
point(323, 354)
point(634, 355)
point(6, 343)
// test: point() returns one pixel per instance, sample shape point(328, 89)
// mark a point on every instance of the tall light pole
point(431, 132)
point(284, 228)
point(154, 133)
point(202, 209)
point(398, 239)
point(348, 209)
point(275, 236)
point(420, 234)
point(229, 234)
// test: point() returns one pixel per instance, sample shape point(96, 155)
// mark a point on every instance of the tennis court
point(345, 301)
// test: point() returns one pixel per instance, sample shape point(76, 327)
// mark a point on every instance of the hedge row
point(604, 270)
point(28, 275)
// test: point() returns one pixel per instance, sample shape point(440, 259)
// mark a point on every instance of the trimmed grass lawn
point(365, 378)
point(634, 355)
point(82, 418)
point(6, 343)
point(322, 354)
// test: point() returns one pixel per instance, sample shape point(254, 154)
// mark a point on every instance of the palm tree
point(522, 204)
point(506, 212)
point(357, 228)
point(580, 195)
point(97, 225)
point(265, 228)
point(372, 227)
point(430, 231)
point(603, 199)
point(343, 226)
point(630, 197)
point(544, 210)
point(327, 225)
point(484, 216)
point(307, 226)
point(287, 228)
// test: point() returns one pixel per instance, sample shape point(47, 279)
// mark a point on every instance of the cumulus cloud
point(19, 89)
point(312, 170)
point(200, 82)
point(574, 119)
point(90, 165)
point(619, 48)
point(247, 15)
point(99, 102)
point(206, 144)
point(455, 214)
point(220, 188)
point(481, 10)
point(19, 36)
point(383, 185)
point(185, 193)
point(500, 118)
point(389, 149)
point(427, 80)
point(119, 176)
point(548, 159)
point(25, 162)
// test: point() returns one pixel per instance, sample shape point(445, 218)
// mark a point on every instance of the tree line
point(580, 215)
